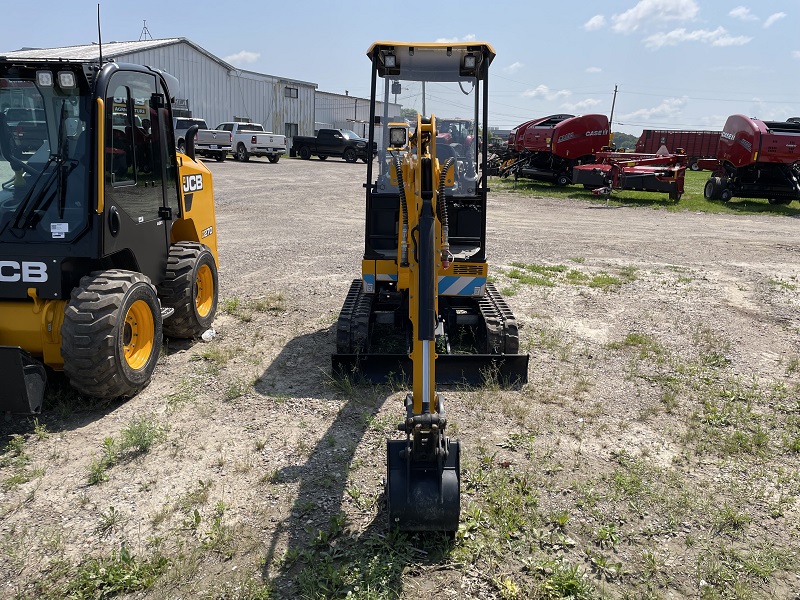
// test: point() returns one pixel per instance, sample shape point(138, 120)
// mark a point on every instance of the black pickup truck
point(333, 142)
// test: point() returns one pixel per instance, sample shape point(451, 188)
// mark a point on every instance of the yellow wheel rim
point(137, 335)
point(204, 294)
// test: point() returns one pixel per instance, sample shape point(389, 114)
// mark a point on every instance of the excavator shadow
point(327, 542)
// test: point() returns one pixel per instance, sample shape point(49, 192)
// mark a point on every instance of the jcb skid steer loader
point(107, 235)
point(423, 304)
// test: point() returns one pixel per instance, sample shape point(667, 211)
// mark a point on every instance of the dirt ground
point(257, 446)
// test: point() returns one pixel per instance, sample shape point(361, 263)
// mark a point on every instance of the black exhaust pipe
point(191, 134)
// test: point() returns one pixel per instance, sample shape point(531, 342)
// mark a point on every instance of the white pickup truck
point(250, 139)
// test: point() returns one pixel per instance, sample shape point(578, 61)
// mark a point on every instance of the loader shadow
point(64, 409)
point(314, 551)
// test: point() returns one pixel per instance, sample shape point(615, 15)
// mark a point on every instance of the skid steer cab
point(107, 235)
point(423, 308)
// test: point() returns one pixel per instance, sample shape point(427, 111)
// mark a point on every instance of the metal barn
point(210, 88)
point(342, 111)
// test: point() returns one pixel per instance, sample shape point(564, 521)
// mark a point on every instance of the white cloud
point(582, 105)
point(656, 11)
point(594, 70)
point(796, 54)
point(595, 23)
point(242, 57)
point(717, 37)
point(670, 107)
point(470, 37)
point(743, 13)
point(513, 68)
point(774, 18)
point(545, 92)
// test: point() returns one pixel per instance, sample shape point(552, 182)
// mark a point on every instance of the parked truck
point(250, 139)
point(696, 144)
point(208, 143)
point(333, 142)
point(27, 126)
point(756, 159)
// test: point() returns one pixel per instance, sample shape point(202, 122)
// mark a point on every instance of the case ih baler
point(547, 149)
point(756, 159)
point(696, 144)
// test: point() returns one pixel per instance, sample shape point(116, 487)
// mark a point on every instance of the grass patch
point(117, 574)
point(136, 439)
point(244, 310)
point(692, 199)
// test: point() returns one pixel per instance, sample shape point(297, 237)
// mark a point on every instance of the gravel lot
point(253, 419)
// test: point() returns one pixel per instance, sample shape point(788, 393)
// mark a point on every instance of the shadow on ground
point(318, 550)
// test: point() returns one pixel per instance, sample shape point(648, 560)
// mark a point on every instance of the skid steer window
point(44, 158)
point(133, 152)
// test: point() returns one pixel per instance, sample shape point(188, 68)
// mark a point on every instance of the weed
point(604, 281)
point(195, 497)
point(110, 521)
point(728, 519)
point(137, 438)
point(40, 430)
point(234, 390)
point(230, 305)
point(118, 574)
point(140, 435)
point(274, 303)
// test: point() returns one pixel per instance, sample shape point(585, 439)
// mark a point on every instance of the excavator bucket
point(422, 495)
point(24, 380)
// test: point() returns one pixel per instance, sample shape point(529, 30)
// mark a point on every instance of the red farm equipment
point(696, 144)
point(756, 159)
point(547, 149)
point(662, 173)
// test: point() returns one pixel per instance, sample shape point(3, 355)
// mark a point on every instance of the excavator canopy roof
point(431, 61)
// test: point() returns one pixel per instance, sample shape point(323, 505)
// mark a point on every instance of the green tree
point(409, 114)
point(625, 141)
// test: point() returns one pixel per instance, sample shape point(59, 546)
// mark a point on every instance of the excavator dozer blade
point(24, 380)
point(451, 369)
point(420, 495)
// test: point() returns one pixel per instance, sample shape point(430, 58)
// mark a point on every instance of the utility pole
point(611, 120)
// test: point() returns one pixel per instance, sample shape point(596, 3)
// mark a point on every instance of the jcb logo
point(192, 183)
point(34, 272)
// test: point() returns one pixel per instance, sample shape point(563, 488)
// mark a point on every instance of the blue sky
point(677, 63)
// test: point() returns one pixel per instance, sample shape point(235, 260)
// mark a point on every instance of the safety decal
point(462, 286)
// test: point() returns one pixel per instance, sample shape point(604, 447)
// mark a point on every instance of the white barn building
point(342, 111)
point(210, 88)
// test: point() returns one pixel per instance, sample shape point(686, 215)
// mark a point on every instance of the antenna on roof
point(145, 35)
point(99, 38)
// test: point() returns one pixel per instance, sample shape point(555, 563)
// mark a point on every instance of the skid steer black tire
point(111, 337)
point(190, 286)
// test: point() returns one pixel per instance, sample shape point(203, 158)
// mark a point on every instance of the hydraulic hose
point(442, 210)
point(398, 167)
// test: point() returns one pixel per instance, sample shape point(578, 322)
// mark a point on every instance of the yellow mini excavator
point(423, 305)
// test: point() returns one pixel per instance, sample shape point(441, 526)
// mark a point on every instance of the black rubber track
point(91, 336)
